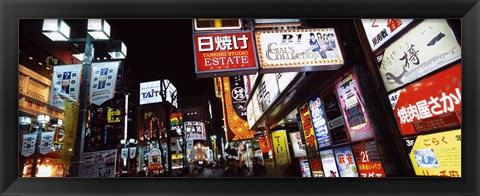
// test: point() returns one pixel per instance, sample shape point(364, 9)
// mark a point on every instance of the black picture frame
point(11, 11)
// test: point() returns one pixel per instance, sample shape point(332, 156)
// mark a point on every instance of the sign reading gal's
point(298, 50)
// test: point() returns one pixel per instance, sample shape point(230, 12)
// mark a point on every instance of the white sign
point(100, 164)
point(300, 50)
point(150, 92)
point(284, 79)
point(171, 92)
point(297, 144)
point(103, 81)
point(424, 49)
point(46, 144)
point(196, 130)
point(28, 146)
point(132, 152)
point(378, 31)
point(65, 84)
point(251, 114)
point(124, 153)
point(329, 164)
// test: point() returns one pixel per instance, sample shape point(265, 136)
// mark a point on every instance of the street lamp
point(98, 30)
point(127, 143)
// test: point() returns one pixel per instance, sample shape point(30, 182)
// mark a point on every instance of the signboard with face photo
point(297, 144)
point(65, 84)
point(103, 82)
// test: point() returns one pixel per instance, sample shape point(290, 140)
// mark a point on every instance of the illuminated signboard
point(65, 84)
point(378, 31)
point(195, 130)
point(113, 116)
point(297, 144)
point(217, 24)
point(368, 160)
point(224, 54)
point(345, 162)
point(103, 81)
point(319, 123)
point(264, 144)
point(310, 142)
point(427, 47)
point(429, 104)
point(305, 167)
point(150, 92)
point(298, 50)
point(329, 164)
point(236, 126)
point(336, 125)
point(353, 108)
point(280, 147)
point(437, 154)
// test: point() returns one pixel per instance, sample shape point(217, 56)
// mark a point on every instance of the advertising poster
point(329, 164)
point(305, 167)
point(353, 107)
point(195, 129)
point(368, 160)
point(297, 144)
point(429, 104)
point(281, 150)
point(438, 154)
point(46, 142)
point(221, 53)
point(336, 125)
point(150, 92)
point(319, 123)
point(345, 162)
point(378, 31)
point(103, 82)
point(427, 47)
point(100, 164)
point(236, 126)
point(310, 142)
point(65, 84)
point(298, 50)
point(70, 124)
point(28, 147)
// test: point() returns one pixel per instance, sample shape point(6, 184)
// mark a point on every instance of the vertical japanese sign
point(280, 147)
point(100, 164)
point(224, 52)
point(319, 123)
point(310, 141)
point(103, 81)
point(378, 31)
point(297, 144)
point(438, 154)
point(71, 122)
point(329, 164)
point(429, 104)
point(65, 84)
point(336, 125)
point(427, 47)
point(345, 162)
point(46, 143)
point(353, 107)
point(368, 160)
point(28, 147)
point(236, 126)
point(58, 138)
point(239, 96)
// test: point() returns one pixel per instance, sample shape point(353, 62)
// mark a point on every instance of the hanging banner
point(124, 153)
point(438, 154)
point(46, 143)
point(329, 164)
point(100, 164)
point(319, 123)
point(264, 144)
point(133, 152)
point(310, 142)
point(28, 147)
point(378, 31)
point(224, 54)
point(298, 50)
point(345, 162)
point(65, 84)
point(70, 124)
point(282, 153)
point(368, 160)
point(336, 125)
point(353, 107)
point(430, 104)
point(103, 82)
point(236, 126)
point(427, 47)
point(297, 144)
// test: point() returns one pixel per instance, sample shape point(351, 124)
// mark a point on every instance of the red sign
point(430, 104)
point(368, 160)
point(264, 144)
point(310, 141)
point(224, 52)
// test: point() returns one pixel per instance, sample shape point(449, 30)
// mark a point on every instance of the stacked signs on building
point(103, 81)
point(224, 54)
point(100, 164)
point(234, 98)
point(378, 31)
point(427, 47)
point(65, 84)
point(310, 142)
point(297, 144)
point(298, 50)
point(281, 149)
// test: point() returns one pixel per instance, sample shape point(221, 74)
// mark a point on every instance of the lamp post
point(98, 30)
point(127, 144)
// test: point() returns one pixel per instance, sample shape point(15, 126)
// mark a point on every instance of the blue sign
point(319, 123)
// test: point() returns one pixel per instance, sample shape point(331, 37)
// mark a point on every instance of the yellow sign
point(114, 116)
point(176, 156)
point(71, 122)
point(280, 147)
point(438, 154)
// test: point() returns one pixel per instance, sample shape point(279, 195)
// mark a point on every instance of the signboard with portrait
point(297, 144)
point(224, 54)
point(298, 50)
point(379, 31)
point(304, 167)
point(353, 107)
point(65, 84)
point(329, 164)
point(333, 114)
point(319, 123)
point(100, 164)
point(368, 160)
point(438, 154)
point(427, 47)
point(310, 142)
point(345, 161)
point(103, 82)
point(281, 150)
point(195, 130)
point(429, 104)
